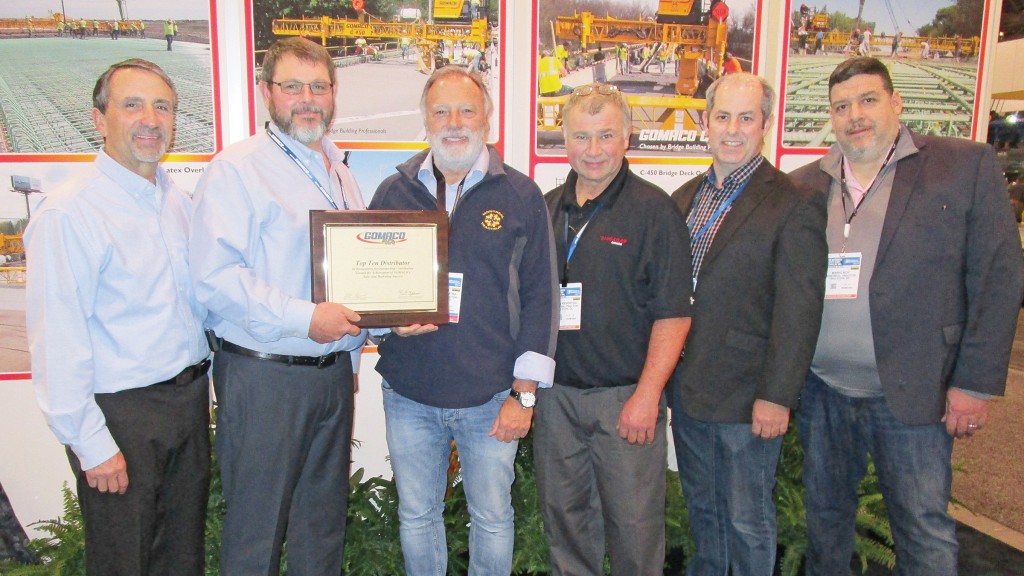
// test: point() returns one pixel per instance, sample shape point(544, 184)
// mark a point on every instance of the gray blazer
point(947, 284)
point(757, 308)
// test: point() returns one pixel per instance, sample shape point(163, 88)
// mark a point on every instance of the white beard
point(456, 158)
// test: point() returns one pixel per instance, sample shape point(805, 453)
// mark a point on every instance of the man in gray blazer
point(921, 302)
point(759, 256)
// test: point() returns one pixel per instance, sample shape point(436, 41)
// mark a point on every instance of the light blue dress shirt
point(110, 305)
point(250, 257)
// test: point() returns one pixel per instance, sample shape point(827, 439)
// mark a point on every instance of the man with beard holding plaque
point(474, 379)
point(284, 381)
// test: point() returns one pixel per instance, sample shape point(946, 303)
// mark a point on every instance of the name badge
point(843, 275)
point(454, 296)
point(570, 310)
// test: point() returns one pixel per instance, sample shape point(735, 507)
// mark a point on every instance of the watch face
point(527, 399)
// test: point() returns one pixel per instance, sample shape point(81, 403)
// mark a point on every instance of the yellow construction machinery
point(696, 37)
point(451, 22)
point(698, 46)
point(11, 248)
point(454, 10)
point(837, 41)
point(50, 25)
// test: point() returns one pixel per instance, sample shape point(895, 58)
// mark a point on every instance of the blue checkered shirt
point(706, 202)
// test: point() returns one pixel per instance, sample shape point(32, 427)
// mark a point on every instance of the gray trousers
point(282, 443)
point(595, 487)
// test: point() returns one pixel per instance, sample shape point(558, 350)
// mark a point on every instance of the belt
point(188, 375)
point(318, 361)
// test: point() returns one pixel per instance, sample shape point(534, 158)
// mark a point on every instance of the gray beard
point(302, 134)
point(307, 135)
point(454, 162)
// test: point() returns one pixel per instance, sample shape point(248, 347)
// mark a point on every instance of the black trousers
point(156, 527)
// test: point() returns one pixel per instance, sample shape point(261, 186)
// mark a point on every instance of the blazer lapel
point(907, 170)
point(758, 188)
point(687, 194)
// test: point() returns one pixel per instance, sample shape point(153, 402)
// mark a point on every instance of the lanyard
point(441, 189)
point(571, 246)
point(844, 191)
point(310, 175)
point(718, 213)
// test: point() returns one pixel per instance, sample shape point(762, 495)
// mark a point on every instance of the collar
point(607, 198)
point(832, 161)
point(131, 182)
point(736, 177)
point(476, 173)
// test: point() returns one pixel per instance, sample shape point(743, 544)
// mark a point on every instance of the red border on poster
point(536, 159)
point(498, 143)
point(782, 150)
point(218, 136)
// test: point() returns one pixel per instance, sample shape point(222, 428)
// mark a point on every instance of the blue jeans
point(419, 440)
point(912, 462)
point(728, 475)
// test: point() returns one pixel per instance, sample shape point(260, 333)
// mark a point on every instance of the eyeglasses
point(602, 89)
point(294, 87)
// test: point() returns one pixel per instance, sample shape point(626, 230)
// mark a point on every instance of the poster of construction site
point(932, 49)
point(662, 54)
point(384, 51)
point(52, 51)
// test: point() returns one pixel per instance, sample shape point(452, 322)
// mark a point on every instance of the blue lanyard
point(718, 213)
point(310, 175)
point(571, 249)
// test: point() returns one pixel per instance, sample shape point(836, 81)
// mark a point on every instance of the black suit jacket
point(946, 288)
point(757, 308)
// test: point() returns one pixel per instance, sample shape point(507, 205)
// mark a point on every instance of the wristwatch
point(526, 399)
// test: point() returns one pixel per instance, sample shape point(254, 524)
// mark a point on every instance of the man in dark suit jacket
point(759, 257)
point(924, 286)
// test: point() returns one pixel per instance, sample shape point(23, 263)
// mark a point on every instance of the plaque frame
point(325, 228)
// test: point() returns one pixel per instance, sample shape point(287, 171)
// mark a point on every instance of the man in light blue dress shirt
point(284, 371)
point(119, 360)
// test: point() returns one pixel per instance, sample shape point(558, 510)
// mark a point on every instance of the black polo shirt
point(634, 263)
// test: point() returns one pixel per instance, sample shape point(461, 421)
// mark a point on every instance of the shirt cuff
point(536, 367)
point(95, 450)
point(297, 317)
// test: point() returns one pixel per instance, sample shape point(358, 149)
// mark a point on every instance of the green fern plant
point(530, 555)
point(62, 553)
point(873, 537)
point(678, 536)
point(371, 536)
point(372, 539)
point(215, 508)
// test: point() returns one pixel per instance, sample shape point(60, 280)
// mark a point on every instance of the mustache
point(857, 125)
point(150, 132)
point(307, 108)
point(455, 133)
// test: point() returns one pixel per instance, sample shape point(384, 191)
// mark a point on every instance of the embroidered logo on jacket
point(614, 240)
point(492, 220)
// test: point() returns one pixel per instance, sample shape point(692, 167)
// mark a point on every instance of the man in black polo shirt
point(624, 265)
